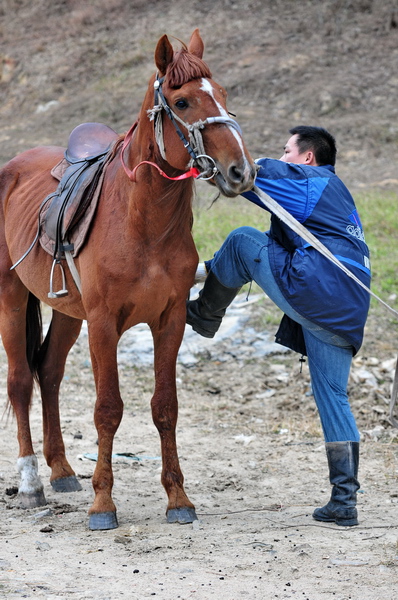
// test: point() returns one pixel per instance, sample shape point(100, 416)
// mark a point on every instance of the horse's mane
point(185, 67)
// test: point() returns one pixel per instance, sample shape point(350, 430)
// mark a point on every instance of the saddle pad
point(58, 171)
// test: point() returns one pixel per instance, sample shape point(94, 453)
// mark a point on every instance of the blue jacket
point(316, 288)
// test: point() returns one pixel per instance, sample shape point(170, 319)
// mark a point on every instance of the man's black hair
point(318, 140)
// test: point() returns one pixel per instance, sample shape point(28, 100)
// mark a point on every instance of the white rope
point(154, 114)
point(298, 228)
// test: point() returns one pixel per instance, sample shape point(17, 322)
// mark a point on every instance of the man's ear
point(310, 159)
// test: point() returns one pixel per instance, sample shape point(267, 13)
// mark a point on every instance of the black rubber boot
point(206, 312)
point(343, 459)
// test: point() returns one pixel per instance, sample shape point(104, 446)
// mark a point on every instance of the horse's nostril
point(235, 173)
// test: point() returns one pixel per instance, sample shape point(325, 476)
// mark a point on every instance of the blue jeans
point(242, 258)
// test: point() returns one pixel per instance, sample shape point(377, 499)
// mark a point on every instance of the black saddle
point(88, 141)
point(86, 155)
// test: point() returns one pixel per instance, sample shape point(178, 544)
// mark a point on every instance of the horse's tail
point(35, 348)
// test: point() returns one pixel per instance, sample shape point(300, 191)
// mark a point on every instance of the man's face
point(292, 154)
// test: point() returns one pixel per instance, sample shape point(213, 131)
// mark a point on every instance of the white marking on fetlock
point(28, 469)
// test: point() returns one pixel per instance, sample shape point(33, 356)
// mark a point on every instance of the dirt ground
point(252, 454)
point(250, 443)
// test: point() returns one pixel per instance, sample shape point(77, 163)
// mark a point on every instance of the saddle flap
point(59, 170)
point(67, 199)
point(89, 140)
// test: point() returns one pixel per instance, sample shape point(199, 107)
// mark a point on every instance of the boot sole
point(203, 332)
point(340, 522)
point(347, 523)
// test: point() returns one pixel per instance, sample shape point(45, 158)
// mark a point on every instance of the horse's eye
point(181, 104)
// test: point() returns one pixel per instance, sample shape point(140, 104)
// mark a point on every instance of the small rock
point(43, 514)
point(197, 525)
point(246, 439)
point(43, 546)
point(121, 539)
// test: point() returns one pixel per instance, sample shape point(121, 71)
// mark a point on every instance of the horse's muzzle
point(237, 179)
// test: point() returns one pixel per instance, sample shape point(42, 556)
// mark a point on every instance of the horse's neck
point(156, 204)
point(160, 204)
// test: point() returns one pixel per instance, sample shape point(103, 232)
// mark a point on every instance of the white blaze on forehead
point(207, 87)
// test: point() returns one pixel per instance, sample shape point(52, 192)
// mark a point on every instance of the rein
point(131, 174)
point(194, 146)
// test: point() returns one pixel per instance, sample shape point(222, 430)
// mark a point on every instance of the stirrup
point(63, 291)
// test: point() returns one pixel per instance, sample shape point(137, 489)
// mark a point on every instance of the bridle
point(206, 166)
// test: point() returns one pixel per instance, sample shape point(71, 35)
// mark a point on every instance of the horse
point(137, 265)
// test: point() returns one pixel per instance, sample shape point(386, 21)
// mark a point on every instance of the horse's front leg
point(167, 340)
point(107, 416)
point(63, 333)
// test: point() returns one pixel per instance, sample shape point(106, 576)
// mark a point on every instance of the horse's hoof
point(181, 515)
point(32, 500)
point(66, 484)
point(105, 520)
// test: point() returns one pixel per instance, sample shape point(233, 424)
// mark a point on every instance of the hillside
point(334, 63)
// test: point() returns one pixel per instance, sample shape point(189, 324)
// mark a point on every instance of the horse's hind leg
point(13, 307)
point(63, 333)
point(167, 340)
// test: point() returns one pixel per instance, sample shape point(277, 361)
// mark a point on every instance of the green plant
point(379, 215)
point(215, 218)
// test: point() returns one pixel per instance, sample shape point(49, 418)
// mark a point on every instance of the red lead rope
point(192, 172)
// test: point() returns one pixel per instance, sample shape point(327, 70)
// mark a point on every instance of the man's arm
point(293, 186)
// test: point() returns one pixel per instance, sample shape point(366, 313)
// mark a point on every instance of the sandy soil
point(253, 457)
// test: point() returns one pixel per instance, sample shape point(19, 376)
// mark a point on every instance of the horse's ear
point(163, 54)
point(196, 45)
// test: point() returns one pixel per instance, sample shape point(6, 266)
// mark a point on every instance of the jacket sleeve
point(289, 185)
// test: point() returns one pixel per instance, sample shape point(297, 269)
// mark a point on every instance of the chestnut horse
point(137, 266)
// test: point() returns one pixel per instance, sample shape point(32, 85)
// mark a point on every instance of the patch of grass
point(214, 220)
point(379, 216)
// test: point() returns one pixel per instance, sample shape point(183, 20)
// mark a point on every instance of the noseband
point(206, 166)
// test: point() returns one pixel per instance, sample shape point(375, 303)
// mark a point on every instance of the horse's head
point(192, 123)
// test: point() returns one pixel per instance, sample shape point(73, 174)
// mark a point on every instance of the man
point(324, 309)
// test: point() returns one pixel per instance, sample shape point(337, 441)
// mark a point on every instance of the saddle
point(67, 213)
